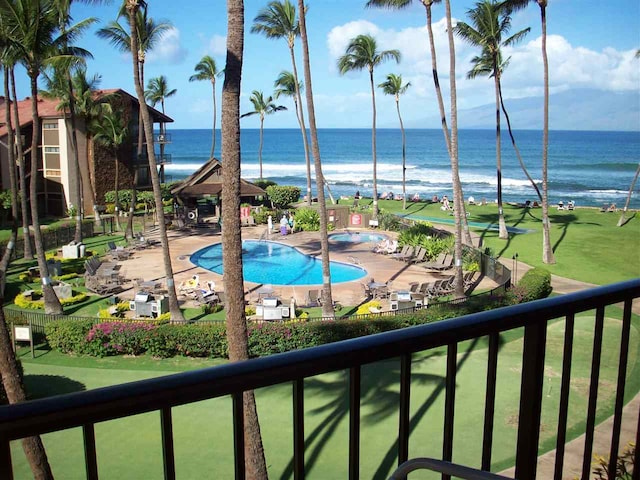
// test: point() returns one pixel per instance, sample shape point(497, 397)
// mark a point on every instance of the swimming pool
point(358, 237)
point(277, 264)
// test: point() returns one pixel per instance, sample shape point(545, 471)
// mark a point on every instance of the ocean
point(590, 168)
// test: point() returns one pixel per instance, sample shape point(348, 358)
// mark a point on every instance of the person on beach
point(445, 204)
point(357, 195)
point(435, 199)
point(284, 225)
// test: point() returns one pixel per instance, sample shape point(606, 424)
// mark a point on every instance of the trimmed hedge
point(209, 340)
point(534, 285)
point(23, 302)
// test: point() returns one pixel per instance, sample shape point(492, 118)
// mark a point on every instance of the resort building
point(57, 174)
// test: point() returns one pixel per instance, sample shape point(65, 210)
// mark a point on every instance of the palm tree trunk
point(459, 287)
point(76, 162)
point(622, 219)
point(458, 195)
point(404, 156)
point(116, 186)
point(255, 462)
point(260, 144)
point(132, 208)
point(515, 147)
point(503, 234)
point(373, 146)
point(547, 251)
point(327, 298)
point(22, 177)
point(174, 307)
point(51, 302)
point(303, 128)
point(213, 134)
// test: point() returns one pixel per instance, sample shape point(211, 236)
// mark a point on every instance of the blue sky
point(591, 45)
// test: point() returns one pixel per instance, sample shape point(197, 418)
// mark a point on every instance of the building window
point(51, 149)
point(50, 125)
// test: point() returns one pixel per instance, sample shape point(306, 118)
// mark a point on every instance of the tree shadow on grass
point(379, 392)
point(40, 386)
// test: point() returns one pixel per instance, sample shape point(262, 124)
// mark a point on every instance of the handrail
point(75, 409)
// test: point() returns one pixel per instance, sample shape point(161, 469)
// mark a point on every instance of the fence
point(52, 237)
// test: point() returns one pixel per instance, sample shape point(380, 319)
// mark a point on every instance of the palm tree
point(111, 131)
point(489, 24)
point(236, 325)
point(149, 32)
point(278, 20)
point(9, 60)
point(362, 52)
point(547, 249)
point(132, 7)
point(327, 297)
point(157, 91)
point(400, 4)
point(206, 69)
point(393, 86)
point(262, 106)
point(88, 108)
point(623, 220)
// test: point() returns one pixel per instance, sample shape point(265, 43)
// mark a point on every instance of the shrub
point(262, 215)
point(116, 338)
point(37, 302)
point(389, 221)
point(283, 196)
point(307, 219)
point(68, 336)
point(535, 284)
point(208, 308)
point(364, 308)
point(264, 183)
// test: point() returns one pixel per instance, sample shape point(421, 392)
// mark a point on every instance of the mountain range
point(576, 109)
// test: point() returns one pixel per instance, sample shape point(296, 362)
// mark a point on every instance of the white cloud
point(570, 66)
point(218, 45)
point(168, 49)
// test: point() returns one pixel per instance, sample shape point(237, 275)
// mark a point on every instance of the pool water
point(357, 237)
point(277, 264)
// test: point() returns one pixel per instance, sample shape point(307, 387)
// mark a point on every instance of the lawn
point(586, 243)
point(130, 448)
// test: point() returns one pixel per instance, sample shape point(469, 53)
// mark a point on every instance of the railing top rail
point(75, 409)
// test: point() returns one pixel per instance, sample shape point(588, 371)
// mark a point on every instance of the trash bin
point(82, 249)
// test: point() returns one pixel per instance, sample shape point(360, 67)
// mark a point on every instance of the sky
point(590, 44)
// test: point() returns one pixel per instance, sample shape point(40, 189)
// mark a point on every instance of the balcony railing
point(85, 409)
point(162, 138)
point(164, 159)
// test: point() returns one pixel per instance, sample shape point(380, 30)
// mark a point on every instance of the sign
point(373, 223)
point(356, 219)
point(22, 334)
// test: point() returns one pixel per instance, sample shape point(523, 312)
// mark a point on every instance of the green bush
point(68, 336)
point(283, 196)
point(37, 302)
point(389, 221)
point(307, 219)
point(262, 215)
point(535, 284)
point(264, 183)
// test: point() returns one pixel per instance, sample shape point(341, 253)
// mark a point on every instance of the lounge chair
point(205, 297)
point(312, 298)
point(445, 265)
point(406, 253)
point(189, 286)
point(419, 256)
point(366, 290)
point(437, 262)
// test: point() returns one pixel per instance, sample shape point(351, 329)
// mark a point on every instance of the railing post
point(6, 470)
point(535, 337)
point(354, 423)
point(238, 435)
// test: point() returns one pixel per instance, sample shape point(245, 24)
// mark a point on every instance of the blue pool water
point(357, 237)
point(277, 264)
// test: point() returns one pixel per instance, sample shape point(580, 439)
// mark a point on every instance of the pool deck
point(148, 264)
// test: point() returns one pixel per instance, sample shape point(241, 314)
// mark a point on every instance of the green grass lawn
point(130, 448)
point(587, 244)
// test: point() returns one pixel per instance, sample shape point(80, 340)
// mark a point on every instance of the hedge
point(209, 340)
point(534, 284)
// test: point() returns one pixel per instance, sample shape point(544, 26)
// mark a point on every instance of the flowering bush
point(117, 338)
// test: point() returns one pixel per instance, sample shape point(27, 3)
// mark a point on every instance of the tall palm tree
point(279, 20)
point(428, 4)
point(262, 106)
point(157, 91)
point(88, 108)
point(149, 32)
point(9, 58)
point(489, 25)
point(327, 297)
point(547, 249)
point(393, 86)
point(455, 170)
point(111, 131)
point(206, 70)
point(237, 335)
point(132, 7)
point(362, 52)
